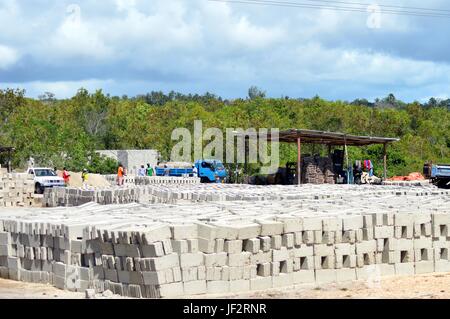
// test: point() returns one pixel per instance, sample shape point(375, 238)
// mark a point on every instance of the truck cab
point(440, 175)
point(211, 171)
point(45, 178)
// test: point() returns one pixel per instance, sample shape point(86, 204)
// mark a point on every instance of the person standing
point(195, 171)
point(149, 170)
point(142, 171)
point(120, 174)
point(66, 176)
point(84, 178)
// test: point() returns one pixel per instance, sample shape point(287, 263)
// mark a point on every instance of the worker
point(66, 176)
point(84, 178)
point(149, 170)
point(195, 171)
point(120, 174)
point(142, 171)
point(166, 170)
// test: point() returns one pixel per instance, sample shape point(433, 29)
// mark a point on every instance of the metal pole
point(385, 160)
point(299, 161)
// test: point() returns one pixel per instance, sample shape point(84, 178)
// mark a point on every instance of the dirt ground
point(434, 286)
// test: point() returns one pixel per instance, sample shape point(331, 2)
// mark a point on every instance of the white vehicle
point(45, 178)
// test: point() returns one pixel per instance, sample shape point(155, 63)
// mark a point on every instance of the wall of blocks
point(160, 250)
point(17, 190)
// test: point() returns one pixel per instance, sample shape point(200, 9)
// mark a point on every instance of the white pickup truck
point(45, 178)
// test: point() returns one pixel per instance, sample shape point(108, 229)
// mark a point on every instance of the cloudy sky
point(193, 46)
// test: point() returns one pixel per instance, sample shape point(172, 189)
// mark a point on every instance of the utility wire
point(379, 5)
point(337, 8)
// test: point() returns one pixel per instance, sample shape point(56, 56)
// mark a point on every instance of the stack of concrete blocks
point(127, 180)
point(43, 253)
point(426, 182)
point(317, 170)
point(17, 190)
point(187, 256)
point(69, 197)
point(164, 180)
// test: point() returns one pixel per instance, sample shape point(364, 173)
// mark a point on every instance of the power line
point(379, 5)
point(339, 8)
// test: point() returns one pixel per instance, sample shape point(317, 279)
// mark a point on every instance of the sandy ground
point(434, 286)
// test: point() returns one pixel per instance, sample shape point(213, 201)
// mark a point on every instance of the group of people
point(149, 171)
point(66, 176)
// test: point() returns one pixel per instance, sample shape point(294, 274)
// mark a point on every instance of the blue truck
point(439, 174)
point(209, 171)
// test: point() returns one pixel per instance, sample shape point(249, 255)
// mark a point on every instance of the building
point(133, 159)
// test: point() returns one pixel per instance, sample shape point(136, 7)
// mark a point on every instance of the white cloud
point(198, 44)
point(8, 57)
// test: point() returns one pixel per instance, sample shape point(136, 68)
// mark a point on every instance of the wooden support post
point(385, 160)
point(246, 157)
point(299, 161)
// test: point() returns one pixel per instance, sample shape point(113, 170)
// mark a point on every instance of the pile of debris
point(17, 190)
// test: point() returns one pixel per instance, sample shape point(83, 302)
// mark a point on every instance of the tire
point(38, 189)
point(204, 180)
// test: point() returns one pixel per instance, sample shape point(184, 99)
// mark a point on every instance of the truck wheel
point(38, 189)
point(204, 180)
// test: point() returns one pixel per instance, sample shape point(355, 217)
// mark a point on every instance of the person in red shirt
point(66, 176)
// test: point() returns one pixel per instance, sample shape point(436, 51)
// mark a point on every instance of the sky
point(131, 47)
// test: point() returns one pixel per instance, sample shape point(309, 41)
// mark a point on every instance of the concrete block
point(216, 259)
point(325, 276)
point(344, 275)
point(280, 255)
point(276, 242)
point(237, 260)
point(191, 260)
point(206, 245)
point(311, 224)
point(260, 283)
point(424, 267)
point(193, 246)
point(283, 280)
point(352, 222)
point(180, 246)
point(239, 286)
point(303, 277)
point(291, 224)
point(195, 287)
point(218, 287)
point(288, 240)
point(180, 232)
point(171, 290)
point(271, 227)
point(405, 269)
point(383, 232)
point(304, 251)
point(168, 261)
point(151, 250)
point(442, 266)
point(233, 246)
point(265, 243)
point(252, 245)
point(263, 270)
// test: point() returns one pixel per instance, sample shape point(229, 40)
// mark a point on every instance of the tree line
point(67, 132)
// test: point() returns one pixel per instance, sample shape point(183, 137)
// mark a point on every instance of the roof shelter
point(300, 136)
